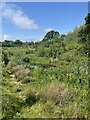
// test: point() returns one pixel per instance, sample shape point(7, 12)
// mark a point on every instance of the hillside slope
point(49, 79)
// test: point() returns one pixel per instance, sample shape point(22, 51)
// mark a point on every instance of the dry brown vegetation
point(56, 92)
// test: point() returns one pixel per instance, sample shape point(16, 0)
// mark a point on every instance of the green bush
point(10, 105)
point(31, 98)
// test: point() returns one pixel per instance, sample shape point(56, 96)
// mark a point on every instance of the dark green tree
point(51, 34)
point(63, 36)
point(87, 23)
point(84, 35)
point(18, 42)
point(5, 57)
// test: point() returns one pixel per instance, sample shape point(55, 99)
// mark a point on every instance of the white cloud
point(7, 37)
point(16, 15)
point(12, 38)
point(1, 39)
point(48, 29)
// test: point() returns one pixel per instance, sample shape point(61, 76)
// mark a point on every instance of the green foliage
point(10, 105)
point(31, 98)
point(84, 34)
point(18, 43)
point(47, 79)
point(26, 59)
point(87, 20)
point(8, 43)
point(5, 57)
point(50, 35)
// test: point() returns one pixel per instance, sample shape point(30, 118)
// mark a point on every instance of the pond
point(35, 66)
point(41, 66)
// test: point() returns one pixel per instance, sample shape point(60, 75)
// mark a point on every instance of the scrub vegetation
point(47, 79)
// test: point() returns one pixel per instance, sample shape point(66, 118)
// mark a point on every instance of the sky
point(30, 21)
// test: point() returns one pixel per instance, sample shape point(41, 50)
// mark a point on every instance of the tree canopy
point(51, 34)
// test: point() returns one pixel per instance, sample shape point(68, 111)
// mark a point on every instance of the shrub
point(5, 57)
point(31, 98)
point(21, 73)
point(25, 80)
point(10, 105)
point(26, 59)
point(58, 93)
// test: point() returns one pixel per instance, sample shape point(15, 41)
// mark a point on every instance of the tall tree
point(51, 34)
point(84, 34)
